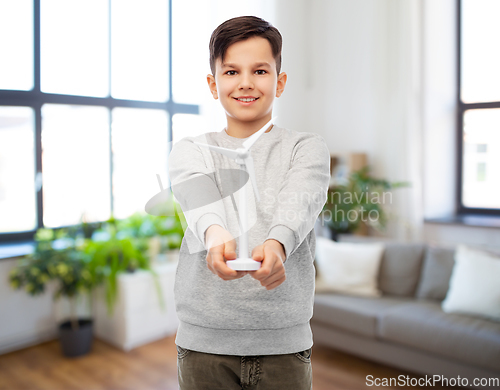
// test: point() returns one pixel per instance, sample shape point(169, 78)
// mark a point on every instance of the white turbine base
point(244, 264)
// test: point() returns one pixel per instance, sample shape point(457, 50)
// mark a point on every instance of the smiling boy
point(248, 329)
point(246, 83)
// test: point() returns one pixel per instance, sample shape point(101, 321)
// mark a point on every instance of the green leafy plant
point(58, 255)
point(170, 231)
point(87, 255)
point(359, 200)
point(115, 248)
point(142, 227)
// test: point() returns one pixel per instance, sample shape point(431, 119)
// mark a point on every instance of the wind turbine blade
point(255, 136)
point(251, 172)
point(227, 152)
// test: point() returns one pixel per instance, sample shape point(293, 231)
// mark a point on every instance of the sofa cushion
point(436, 273)
point(423, 325)
point(474, 284)
point(400, 268)
point(348, 268)
point(354, 314)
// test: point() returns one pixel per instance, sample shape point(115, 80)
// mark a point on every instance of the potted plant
point(117, 247)
point(80, 260)
point(90, 257)
point(357, 201)
point(127, 245)
point(58, 256)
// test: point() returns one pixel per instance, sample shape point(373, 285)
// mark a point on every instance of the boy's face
point(248, 71)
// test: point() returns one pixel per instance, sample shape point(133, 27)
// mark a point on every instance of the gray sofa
point(406, 327)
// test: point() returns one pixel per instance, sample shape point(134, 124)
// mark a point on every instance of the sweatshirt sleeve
point(303, 193)
point(192, 179)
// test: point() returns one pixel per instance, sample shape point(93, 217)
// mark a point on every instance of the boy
point(248, 329)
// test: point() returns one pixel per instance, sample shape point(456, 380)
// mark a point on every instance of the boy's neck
point(244, 130)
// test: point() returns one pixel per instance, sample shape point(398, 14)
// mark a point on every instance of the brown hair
point(239, 29)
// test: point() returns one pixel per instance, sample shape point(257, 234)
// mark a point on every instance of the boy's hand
point(272, 270)
point(221, 246)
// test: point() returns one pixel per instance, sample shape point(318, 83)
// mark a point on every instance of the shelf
point(468, 220)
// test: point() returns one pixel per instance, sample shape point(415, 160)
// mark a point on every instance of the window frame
point(35, 99)
point(462, 107)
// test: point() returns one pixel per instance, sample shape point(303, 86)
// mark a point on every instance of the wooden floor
point(154, 367)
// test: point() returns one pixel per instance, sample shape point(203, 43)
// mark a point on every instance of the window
point(86, 110)
point(478, 107)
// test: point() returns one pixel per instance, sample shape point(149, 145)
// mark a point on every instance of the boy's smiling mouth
point(246, 100)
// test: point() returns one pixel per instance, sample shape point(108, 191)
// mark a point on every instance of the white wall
point(439, 108)
point(328, 56)
point(378, 76)
point(354, 77)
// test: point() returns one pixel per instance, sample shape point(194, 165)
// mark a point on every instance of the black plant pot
point(335, 234)
point(76, 342)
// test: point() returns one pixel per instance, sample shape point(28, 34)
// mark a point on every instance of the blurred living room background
point(93, 94)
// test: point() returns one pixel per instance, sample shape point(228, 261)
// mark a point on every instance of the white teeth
point(247, 100)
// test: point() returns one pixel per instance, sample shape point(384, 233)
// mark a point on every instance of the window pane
point(140, 146)
point(16, 44)
point(139, 49)
point(480, 55)
point(481, 159)
point(17, 170)
point(75, 161)
point(74, 47)
point(190, 54)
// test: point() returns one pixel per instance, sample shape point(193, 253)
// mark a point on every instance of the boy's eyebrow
point(257, 65)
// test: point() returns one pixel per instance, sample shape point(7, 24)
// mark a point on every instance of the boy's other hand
point(221, 246)
point(272, 270)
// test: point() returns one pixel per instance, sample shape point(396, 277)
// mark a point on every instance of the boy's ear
point(212, 85)
point(280, 87)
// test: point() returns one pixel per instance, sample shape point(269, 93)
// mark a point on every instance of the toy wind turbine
point(243, 157)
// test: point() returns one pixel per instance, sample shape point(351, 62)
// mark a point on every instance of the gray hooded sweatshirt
point(241, 317)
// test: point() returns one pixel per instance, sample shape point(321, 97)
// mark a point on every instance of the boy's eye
point(233, 72)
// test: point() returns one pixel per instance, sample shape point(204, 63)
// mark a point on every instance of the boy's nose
point(246, 82)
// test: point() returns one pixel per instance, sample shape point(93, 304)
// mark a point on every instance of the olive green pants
point(205, 371)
